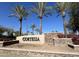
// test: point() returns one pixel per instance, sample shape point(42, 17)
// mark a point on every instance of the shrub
point(75, 40)
point(7, 38)
point(60, 35)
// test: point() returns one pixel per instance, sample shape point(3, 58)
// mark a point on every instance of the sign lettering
point(30, 39)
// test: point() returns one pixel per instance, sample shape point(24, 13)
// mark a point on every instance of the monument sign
point(32, 39)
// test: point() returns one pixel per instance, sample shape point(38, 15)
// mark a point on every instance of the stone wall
point(52, 38)
point(62, 41)
point(49, 37)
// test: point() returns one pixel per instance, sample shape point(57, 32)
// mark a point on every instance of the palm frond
point(19, 11)
point(34, 10)
point(41, 9)
point(12, 15)
point(62, 7)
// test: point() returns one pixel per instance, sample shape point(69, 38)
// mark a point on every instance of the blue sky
point(51, 23)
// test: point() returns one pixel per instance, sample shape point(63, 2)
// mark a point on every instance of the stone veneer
point(52, 38)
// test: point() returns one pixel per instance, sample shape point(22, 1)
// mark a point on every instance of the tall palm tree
point(33, 27)
point(41, 10)
point(61, 8)
point(20, 12)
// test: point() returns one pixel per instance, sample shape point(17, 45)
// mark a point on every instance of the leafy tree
point(74, 17)
point(17, 33)
point(1, 29)
point(7, 30)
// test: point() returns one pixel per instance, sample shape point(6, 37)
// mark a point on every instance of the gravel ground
point(46, 47)
point(29, 50)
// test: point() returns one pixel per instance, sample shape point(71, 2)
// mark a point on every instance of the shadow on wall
point(6, 43)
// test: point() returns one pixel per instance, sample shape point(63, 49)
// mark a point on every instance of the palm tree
point(33, 27)
point(20, 12)
point(41, 10)
point(37, 30)
point(61, 8)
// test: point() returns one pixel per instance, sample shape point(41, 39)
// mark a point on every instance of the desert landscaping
point(46, 37)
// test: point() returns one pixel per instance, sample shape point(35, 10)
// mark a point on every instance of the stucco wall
point(40, 41)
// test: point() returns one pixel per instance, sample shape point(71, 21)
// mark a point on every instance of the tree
point(33, 28)
point(20, 12)
point(37, 30)
point(17, 33)
point(61, 8)
point(41, 10)
point(1, 29)
point(8, 31)
point(73, 24)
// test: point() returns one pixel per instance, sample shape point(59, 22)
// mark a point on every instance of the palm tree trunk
point(40, 25)
point(64, 26)
point(20, 27)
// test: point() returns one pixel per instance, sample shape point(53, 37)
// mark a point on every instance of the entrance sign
point(32, 39)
